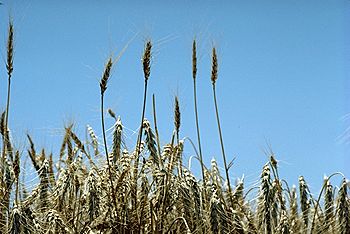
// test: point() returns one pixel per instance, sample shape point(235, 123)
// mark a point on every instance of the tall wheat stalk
point(103, 87)
point(9, 67)
point(146, 64)
point(214, 77)
point(194, 76)
point(6, 146)
point(156, 127)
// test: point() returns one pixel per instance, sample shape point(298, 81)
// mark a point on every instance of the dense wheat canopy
point(94, 187)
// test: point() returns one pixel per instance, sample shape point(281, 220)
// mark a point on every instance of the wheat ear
point(9, 67)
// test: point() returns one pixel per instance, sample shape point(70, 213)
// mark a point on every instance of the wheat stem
point(214, 76)
point(103, 86)
point(221, 141)
point(156, 127)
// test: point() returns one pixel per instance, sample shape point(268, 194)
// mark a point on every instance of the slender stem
point(197, 126)
point(156, 127)
point(204, 197)
point(177, 138)
point(6, 138)
point(8, 101)
point(179, 169)
point(142, 117)
point(17, 192)
point(138, 145)
point(103, 129)
point(106, 150)
point(222, 143)
point(180, 159)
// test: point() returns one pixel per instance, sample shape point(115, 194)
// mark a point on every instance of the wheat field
point(97, 186)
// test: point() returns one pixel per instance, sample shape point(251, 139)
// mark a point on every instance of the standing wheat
point(103, 86)
point(214, 77)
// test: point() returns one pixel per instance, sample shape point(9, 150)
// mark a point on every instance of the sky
point(283, 77)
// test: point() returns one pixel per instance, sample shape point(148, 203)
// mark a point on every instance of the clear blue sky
point(283, 76)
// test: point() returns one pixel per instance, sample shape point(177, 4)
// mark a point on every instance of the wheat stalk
point(103, 86)
point(156, 128)
point(214, 77)
point(194, 77)
point(146, 64)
